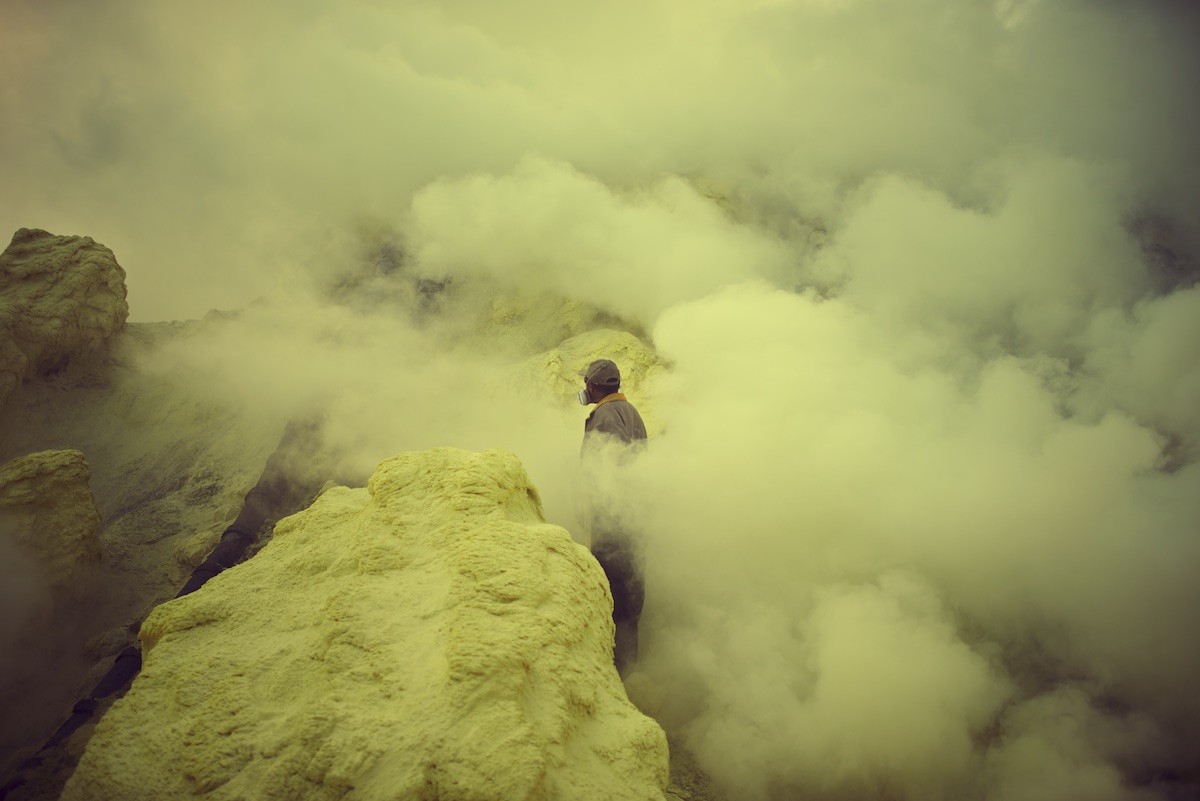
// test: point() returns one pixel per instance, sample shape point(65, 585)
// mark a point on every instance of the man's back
point(615, 416)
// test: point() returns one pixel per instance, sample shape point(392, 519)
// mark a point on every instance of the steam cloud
point(923, 517)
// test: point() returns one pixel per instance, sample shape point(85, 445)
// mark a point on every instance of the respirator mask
point(584, 400)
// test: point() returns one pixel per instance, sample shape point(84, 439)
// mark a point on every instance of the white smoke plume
point(922, 514)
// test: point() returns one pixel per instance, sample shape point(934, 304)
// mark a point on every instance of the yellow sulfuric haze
point(922, 519)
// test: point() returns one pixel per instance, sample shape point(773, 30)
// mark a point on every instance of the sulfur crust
point(427, 637)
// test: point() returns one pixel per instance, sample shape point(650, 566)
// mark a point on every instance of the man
point(613, 421)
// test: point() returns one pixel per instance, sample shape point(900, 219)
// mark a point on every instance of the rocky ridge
point(169, 470)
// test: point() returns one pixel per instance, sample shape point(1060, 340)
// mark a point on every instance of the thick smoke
point(974, 547)
point(212, 150)
point(922, 511)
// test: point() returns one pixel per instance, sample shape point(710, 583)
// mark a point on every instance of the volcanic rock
point(50, 516)
point(61, 297)
point(428, 637)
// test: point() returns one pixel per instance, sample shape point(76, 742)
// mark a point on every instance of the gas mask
point(584, 400)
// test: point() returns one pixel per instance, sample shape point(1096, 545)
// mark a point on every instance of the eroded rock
point(61, 297)
point(49, 516)
point(427, 637)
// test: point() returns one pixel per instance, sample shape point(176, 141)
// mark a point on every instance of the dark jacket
point(615, 416)
point(614, 419)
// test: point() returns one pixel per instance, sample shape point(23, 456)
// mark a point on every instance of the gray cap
point(602, 373)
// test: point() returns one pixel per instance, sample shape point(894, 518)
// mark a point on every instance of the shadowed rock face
point(51, 515)
point(427, 637)
point(61, 297)
point(49, 554)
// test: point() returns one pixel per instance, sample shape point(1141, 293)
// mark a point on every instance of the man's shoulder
point(628, 407)
point(617, 417)
point(614, 409)
point(614, 404)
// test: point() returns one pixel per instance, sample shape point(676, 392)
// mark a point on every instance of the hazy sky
point(923, 517)
point(215, 148)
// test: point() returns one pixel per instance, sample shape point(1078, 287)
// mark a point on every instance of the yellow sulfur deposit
point(427, 637)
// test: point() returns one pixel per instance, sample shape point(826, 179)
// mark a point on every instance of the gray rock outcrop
point(60, 297)
point(428, 637)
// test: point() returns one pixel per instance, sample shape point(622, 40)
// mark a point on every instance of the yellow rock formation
point(427, 637)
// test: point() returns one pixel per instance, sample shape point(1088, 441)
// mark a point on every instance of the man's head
point(602, 378)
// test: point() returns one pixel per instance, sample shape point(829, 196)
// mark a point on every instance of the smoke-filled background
point(922, 507)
